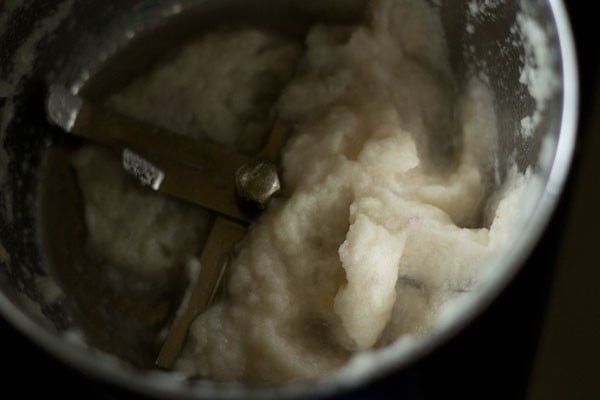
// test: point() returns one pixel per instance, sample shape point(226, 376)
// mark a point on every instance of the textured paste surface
point(385, 215)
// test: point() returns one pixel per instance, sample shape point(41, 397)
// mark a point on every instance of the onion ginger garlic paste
point(388, 211)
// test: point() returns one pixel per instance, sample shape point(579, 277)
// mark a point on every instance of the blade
point(213, 261)
point(62, 107)
point(196, 171)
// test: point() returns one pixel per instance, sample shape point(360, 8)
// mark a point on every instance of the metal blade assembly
point(235, 186)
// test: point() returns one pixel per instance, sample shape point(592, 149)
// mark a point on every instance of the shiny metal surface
point(77, 45)
point(257, 182)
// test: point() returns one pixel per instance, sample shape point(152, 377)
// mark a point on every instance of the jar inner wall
point(96, 48)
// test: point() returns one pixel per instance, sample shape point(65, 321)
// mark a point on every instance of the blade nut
point(256, 183)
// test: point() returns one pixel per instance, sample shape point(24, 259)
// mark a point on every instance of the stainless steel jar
point(68, 41)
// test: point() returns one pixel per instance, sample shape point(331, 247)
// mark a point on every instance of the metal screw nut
point(256, 182)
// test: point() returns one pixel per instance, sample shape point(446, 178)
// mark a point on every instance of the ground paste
point(386, 213)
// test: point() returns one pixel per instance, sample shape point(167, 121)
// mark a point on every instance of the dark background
point(537, 341)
